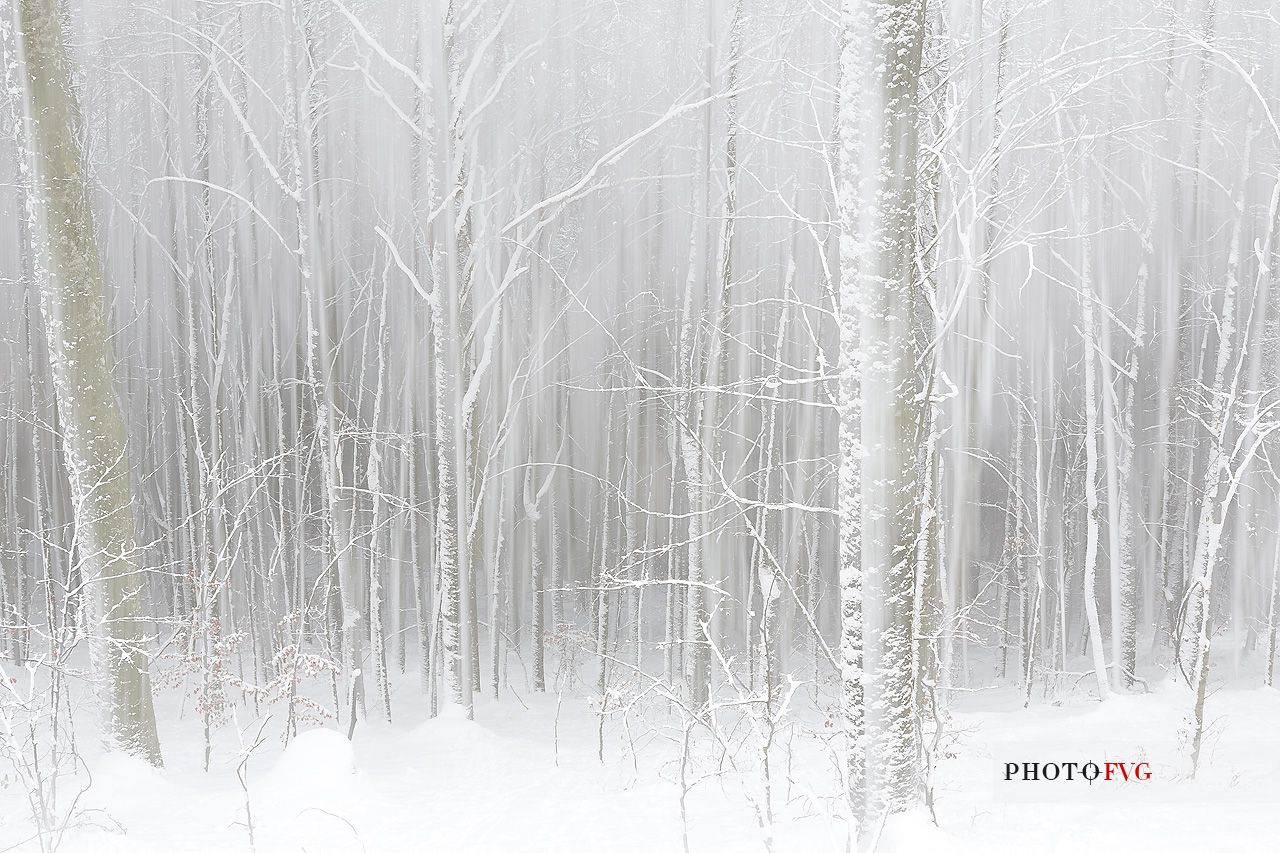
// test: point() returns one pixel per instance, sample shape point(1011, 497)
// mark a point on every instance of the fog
point(644, 352)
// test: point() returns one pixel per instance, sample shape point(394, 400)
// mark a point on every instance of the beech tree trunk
point(93, 438)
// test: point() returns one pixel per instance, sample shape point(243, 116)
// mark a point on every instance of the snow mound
point(317, 758)
point(451, 731)
point(914, 832)
point(118, 776)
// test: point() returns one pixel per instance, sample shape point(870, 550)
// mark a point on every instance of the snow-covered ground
point(525, 776)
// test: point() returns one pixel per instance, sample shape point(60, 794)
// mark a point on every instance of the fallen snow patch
point(317, 760)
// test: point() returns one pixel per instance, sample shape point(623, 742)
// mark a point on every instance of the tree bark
point(93, 434)
point(890, 391)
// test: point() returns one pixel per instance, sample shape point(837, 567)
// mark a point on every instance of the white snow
point(501, 782)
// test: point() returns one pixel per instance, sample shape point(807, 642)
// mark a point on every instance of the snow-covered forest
point(645, 425)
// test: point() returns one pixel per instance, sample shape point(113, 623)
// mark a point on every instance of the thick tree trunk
point(848, 493)
point(890, 399)
point(93, 434)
